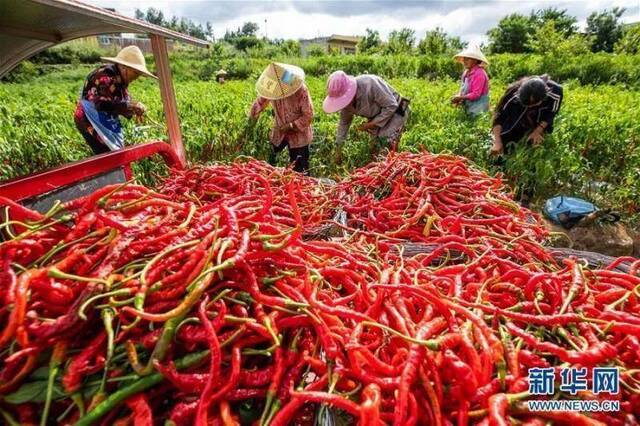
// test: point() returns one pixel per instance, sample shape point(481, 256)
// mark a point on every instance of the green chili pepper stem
point(107, 319)
point(265, 352)
point(53, 372)
point(57, 357)
point(288, 311)
point(160, 350)
point(16, 222)
point(236, 301)
point(192, 211)
point(267, 237)
point(117, 303)
point(56, 273)
point(272, 332)
point(90, 300)
point(431, 344)
point(267, 408)
point(65, 413)
point(238, 320)
point(7, 418)
point(103, 200)
point(79, 401)
point(275, 407)
point(267, 245)
point(107, 239)
point(142, 384)
point(33, 230)
point(57, 248)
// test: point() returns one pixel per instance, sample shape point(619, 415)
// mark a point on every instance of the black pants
point(92, 140)
point(298, 156)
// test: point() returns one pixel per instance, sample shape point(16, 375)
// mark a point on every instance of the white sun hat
point(131, 57)
point(472, 52)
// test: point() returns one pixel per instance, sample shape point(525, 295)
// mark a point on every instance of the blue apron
point(478, 106)
point(105, 124)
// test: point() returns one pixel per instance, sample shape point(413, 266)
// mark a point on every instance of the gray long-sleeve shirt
point(376, 100)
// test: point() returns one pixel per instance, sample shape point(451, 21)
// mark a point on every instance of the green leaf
point(28, 392)
point(33, 392)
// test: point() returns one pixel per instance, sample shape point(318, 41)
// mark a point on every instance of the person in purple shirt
point(474, 88)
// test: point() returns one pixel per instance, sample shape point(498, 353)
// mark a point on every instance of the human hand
point(365, 127)
point(457, 100)
point(537, 136)
point(497, 148)
point(138, 108)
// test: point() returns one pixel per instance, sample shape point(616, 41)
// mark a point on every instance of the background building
point(344, 45)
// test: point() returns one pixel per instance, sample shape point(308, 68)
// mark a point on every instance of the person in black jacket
point(527, 108)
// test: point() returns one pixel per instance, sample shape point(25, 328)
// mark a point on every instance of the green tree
point(316, 50)
point(605, 28)
point(565, 24)
point(288, 47)
point(209, 31)
point(371, 42)
point(511, 35)
point(438, 42)
point(401, 41)
point(551, 42)
point(630, 41)
point(249, 29)
point(155, 16)
point(183, 25)
point(244, 37)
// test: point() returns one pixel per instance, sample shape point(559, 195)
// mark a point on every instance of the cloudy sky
point(310, 18)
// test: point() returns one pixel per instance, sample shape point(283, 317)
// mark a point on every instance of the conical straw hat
point(473, 52)
point(131, 57)
point(279, 81)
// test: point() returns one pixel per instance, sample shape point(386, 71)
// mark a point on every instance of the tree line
point(537, 32)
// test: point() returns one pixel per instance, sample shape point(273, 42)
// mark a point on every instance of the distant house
point(124, 40)
point(344, 45)
point(114, 42)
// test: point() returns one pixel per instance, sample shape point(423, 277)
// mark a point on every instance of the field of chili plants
point(414, 291)
point(594, 151)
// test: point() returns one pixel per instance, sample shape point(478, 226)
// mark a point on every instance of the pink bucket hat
point(341, 89)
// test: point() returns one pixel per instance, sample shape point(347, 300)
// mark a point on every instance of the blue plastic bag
point(106, 125)
point(567, 211)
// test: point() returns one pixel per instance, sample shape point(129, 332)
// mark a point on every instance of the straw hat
point(131, 57)
point(279, 81)
point(472, 52)
point(221, 72)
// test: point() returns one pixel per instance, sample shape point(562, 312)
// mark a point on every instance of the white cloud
point(306, 19)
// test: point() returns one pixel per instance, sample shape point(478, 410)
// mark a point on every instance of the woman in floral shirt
point(282, 86)
point(105, 97)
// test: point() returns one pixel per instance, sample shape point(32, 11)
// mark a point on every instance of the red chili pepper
point(81, 363)
point(142, 414)
point(498, 405)
point(370, 405)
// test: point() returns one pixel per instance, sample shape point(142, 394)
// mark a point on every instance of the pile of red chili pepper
point(201, 303)
point(250, 178)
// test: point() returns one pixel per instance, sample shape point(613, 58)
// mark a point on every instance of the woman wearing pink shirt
point(474, 90)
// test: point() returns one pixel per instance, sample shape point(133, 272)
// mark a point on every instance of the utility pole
point(265, 28)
